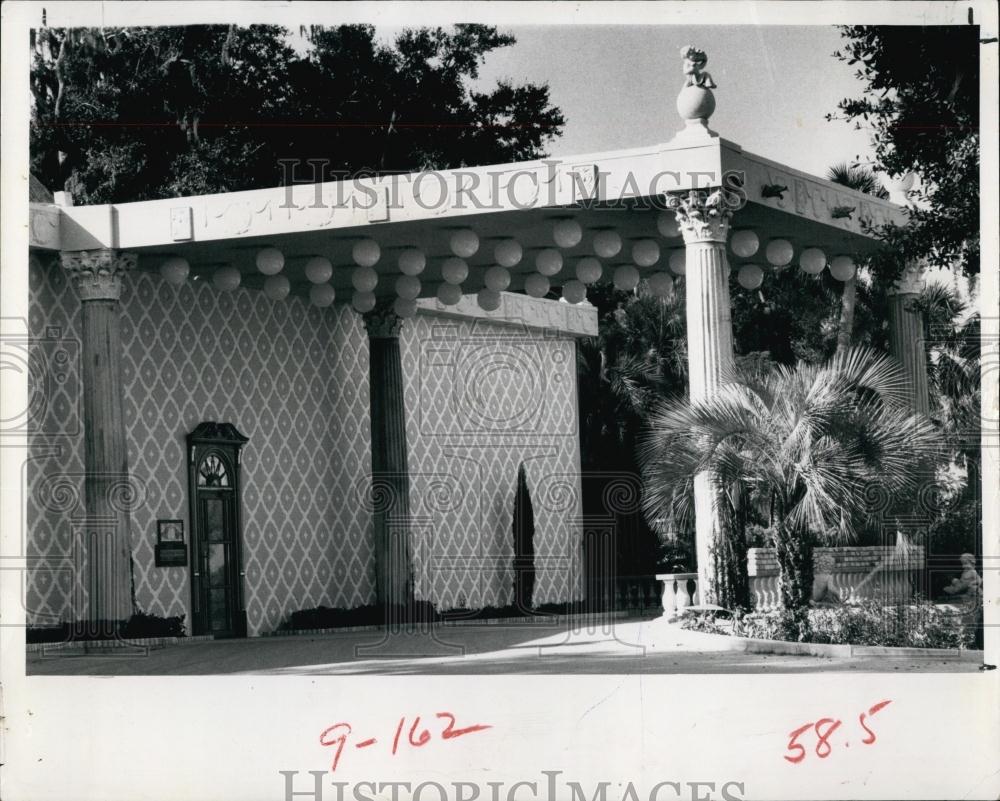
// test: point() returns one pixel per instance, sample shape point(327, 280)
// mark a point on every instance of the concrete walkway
point(629, 646)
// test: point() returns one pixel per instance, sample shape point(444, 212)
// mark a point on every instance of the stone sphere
point(574, 291)
point(536, 285)
point(842, 268)
point(408, 287)
point(549, 261)
point(366, 253)
point(277, 287)
point(567, 233)
point(626, 278)
point(588, 270)
point(412, 261)
point(319, 270)
point(404, 307)
point(667, 225)
point(454, 270)
point(363, 302)
point(270, 261)
point(607, 244)
point(497, 278)
point(508, 252)
point(226, 279)
point(322, 295)
point(695, 102)
point(645, 252)
point(779, 252)
point(488, 300)
point(661, 284)
point(449, 294)
point(464, 243)
point(750, 276)
point(678, 261)
point(812, 261)
point(364, 279)
point(744, 243)
point(175, 270)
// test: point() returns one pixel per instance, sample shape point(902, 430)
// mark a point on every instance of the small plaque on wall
point(171, 554)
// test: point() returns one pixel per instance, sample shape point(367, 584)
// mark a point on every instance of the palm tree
point(863, 180)
point(804, 447)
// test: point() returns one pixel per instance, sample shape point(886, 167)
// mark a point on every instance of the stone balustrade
point(680, 591)
point(846, 574)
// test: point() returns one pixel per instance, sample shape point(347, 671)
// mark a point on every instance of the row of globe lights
point(464, 243)
point(779, 253)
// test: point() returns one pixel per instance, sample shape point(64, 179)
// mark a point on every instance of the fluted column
point(98, 276)
point(390, 471)
point(704, 219)
point(906, 336)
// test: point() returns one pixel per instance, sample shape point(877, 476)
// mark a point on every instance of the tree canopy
point(125, 114)
point(921, 102)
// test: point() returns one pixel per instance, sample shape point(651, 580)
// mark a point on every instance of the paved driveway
point(633, 646)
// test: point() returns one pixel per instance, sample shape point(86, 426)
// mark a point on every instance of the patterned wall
point(481, 398)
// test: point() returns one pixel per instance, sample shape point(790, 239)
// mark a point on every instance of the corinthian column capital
point(910, 281)
point(382, 322)
point(703, 216)
point(98, 273)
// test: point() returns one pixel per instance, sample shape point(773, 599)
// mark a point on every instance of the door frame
point(223, 438)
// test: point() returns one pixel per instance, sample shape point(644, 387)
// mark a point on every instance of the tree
point(921, 103)
point(138, 113)
point(801, 445)
point(862, 180)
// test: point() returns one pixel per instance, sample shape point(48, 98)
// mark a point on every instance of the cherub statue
point(969, 585)
point(694, 68)
point(823, 591)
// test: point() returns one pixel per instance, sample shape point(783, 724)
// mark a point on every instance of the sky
point(616, 86)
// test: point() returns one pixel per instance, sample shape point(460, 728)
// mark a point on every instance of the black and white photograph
point(515, 345)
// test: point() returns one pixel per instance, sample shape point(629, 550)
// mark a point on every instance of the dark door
point(216, 546)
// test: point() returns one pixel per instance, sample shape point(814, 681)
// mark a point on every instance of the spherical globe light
point(812, 261)
point(270, 261)
point(567, 233)
point(363, 302)
point(626, 277)
point(449, 294)
point(607, 244)
point(661, 284)
point(277, 287)
point(404, 307)
point(408, 287)
point(366, 253)
point(678, 261)
point(574, 291)
point(175, 270)
point(842, 268)
point(322, 295)
point(537, 285)
point(646, 252)
point(497, 278)
point(226, 279)
point(454, 270)
point(667, 225)
point(319, 270)
point(464, 243)
point(549, 261)
point(508, 252)
point(744, 243)
point(488, 299)
point(750, 276)
point(364, 279)
point(412, 261)
point(779, 252)
point(588, 270)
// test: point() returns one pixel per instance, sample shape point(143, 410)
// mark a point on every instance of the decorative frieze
point(98, 274)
